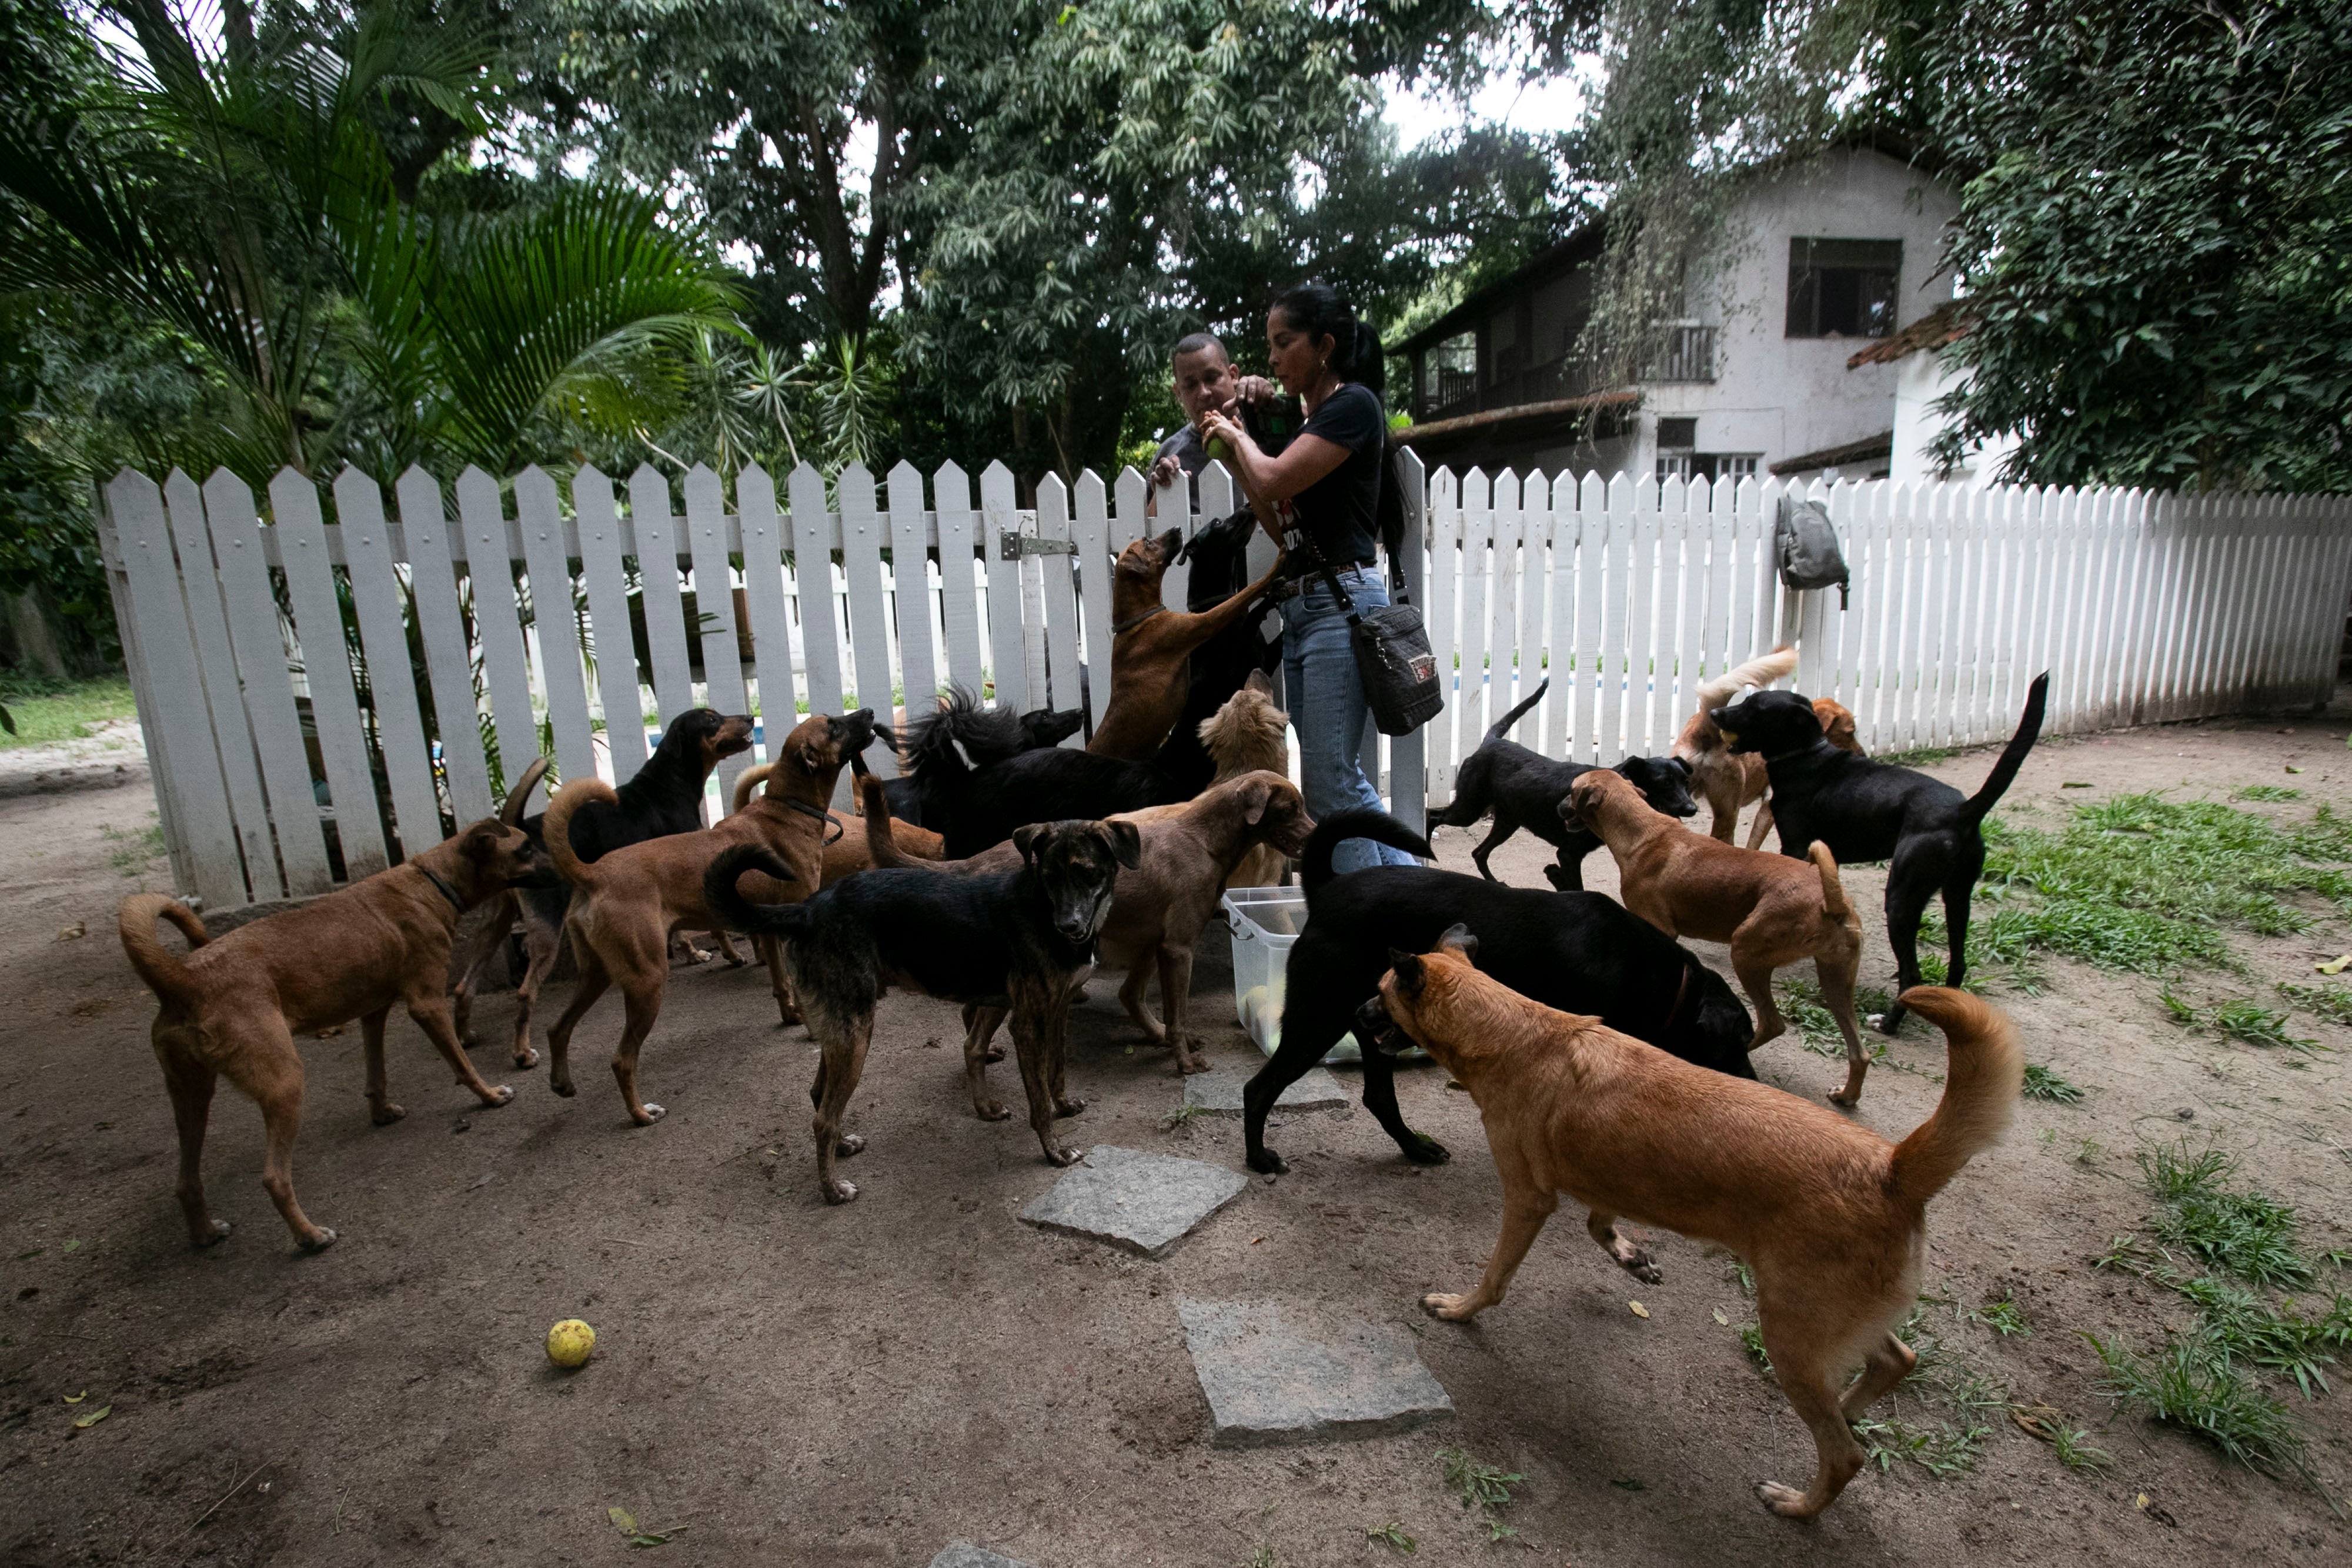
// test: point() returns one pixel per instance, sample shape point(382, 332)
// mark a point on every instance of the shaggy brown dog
point(1151, 648)
point(1772, 910)
point(233, 1005)
point(1248, 735)
point(630, 901)
point(1160, 907)
point(1830, 1216)
point(1727, 781)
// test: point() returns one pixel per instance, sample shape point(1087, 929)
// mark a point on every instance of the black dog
point(977, 778)
point(1524, 789)
point(1867, 810)
point(1219, 554)
point(1018, 942)
point(965, 719)
point(664, 797)
point(1579, 951)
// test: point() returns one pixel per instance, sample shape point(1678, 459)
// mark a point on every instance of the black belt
point(1289, 588)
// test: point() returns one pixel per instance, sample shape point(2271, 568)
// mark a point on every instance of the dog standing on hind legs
point(233, 1006)
point(1830, 1216)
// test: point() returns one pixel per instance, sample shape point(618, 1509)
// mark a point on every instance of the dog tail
point(2012, 755)
point(164, 971)
point(1834, 898)
point(1502, 726)
point(1758, 672)
point(726, 901)
point(558, 829)
point(1315, 865)
point(1982, 1073)
point(881, 840)
point(748, 780)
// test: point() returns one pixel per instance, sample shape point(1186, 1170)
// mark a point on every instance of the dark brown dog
point(1830, 1216)
point(1728, 779)
point(234, 1006)
point(1771, 910)
point(629, 902)
point(1151, 648)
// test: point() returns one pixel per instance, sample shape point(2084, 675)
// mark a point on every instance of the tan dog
point(1830, 1215)
point(629, 902)
point(1772, 910)
point(1248, 735)
point(1727, 781)
point(1157, 909)
point(233, 1005)
point(845, 851)
point(1151, 648)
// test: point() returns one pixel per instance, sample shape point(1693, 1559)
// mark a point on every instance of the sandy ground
point(792, 1382)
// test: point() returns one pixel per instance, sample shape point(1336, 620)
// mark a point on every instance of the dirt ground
point(785, 1383)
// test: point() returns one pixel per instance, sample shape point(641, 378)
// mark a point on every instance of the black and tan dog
point(1018, 941)
point(1866, 810)
point(1830, 1216)
point(1151, 647)
point(1523, 789)
point(662, 797)
point(630, 902)
point(233, 1006)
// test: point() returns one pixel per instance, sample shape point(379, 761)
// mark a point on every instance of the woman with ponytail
point(1326, 484)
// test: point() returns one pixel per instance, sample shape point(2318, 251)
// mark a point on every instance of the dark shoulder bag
point(1394, 662)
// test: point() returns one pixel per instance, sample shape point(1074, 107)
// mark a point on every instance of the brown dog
point(845, 851)
point(234, 1004)
point(1727, 781)
point(1151, 648)
point(1830, 1215)
point(629, 902)
point(1248, 735)
point(1772, 910)
point(1160, 906)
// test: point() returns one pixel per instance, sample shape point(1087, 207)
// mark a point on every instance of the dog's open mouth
point(1375, 1030)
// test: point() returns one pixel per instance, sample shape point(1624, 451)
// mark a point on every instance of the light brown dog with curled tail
point(1830, 1216)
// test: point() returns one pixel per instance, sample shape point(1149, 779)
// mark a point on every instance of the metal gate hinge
point(1012, 545)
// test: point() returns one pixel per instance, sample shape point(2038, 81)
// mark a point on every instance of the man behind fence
point(1207, 381)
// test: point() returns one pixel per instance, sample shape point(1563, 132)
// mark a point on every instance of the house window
point(1450, 372)
point(1843, 288)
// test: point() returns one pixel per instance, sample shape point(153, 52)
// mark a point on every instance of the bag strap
point(1315, 558)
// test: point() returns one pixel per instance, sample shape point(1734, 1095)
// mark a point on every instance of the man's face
point(1206, 381)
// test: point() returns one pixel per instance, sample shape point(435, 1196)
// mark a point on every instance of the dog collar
point(441, 884)
point(1772, 757)
point(1132, 622)
point(805, 809)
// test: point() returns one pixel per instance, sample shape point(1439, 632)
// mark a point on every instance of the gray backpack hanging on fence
point(1807, 543)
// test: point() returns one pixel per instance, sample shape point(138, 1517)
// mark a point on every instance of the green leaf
point(84, 1422)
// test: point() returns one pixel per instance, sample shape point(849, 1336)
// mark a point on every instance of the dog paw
point(1889, 1024)
point(734, 960)
point(319, 1243)
point(1066, 1156)
point(850, 1143)
point(839, 1191)
point(1843, 1101)
point(1425, 1151)
point(1452, 1308)
point(1786, 1501)
point(786, 1018)
point(497, 1096)
point(215, 1233)
point(1265, 1161)
point(653, 1114)
point(385, 1114)
point(1642, 1267)
point(563, 1086)
point(526, 1059)
point(994, 1053)
point(1068, 1105)
point(989, 1110)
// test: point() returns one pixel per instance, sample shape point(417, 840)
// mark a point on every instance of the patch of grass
point(49, 712)
point(2331, 1002)
point(2075, 1452)
point(1182, 1117)
point(2003, 1317)
point(2242, 1233)
point(2271, 792)
point(2040, 1083)
point(133, 851)
point(1940, 1448)
point(1740, 1271)
point(1263, 1556)
point(2241, 1019)
point(2240, 1326)
point(1483, 1487)
point(1392, 1534)
point(2185, 1385)
point(1751, 1339)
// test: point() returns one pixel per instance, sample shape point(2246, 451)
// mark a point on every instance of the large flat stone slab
point(1272, 1379)
point(1218, 1092)
point(1142, 1202)
point(964, 1554)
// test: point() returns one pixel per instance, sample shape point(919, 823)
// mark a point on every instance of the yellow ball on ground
point(569, 1342)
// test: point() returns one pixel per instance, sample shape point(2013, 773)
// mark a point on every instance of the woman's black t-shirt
point(1340, 511)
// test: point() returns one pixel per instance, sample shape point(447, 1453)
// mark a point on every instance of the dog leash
point(805, 809)
point(442, 883)
point(1132, 622)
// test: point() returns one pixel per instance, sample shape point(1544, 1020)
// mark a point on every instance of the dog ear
point(1457, 939)
point(1259, 682)
point(1570, 818)
point(1411, 975)
point(1255, 797)
point(1126, 844)
point(1028, 839)
point(480, 842)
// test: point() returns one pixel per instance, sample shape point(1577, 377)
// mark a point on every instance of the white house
point(1921, 381)
point(1839, 251)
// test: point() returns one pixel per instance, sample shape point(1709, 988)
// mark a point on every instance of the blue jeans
point(1326, 703)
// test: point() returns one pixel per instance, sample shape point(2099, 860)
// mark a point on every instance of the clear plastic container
point(1264, 921)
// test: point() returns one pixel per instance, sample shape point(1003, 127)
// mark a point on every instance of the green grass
point(2003, 1317)
point(2040, 1083)
point(2331, 1002)
point(2242, 1233)
point(2075, 1452)
point(1947, 1435)
point(1483, 1487)
point(47, 712)
point(2270, 792)
point(2184, 1387)
point(1393, 1535)
point(1940, 1448)
point(1751, 1339)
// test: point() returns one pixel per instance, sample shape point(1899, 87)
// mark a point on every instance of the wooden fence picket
point(602, 547)
point(910, 578)
point(863, 535)
point(392, 682)
point(318, 615)
point(959, 597)
point(184, 507)
point(539, 514)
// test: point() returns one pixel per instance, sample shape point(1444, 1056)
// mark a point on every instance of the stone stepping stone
point(1218, 1092)
point(1143, 1202)
point(1270, 1379)
point(964, 1554)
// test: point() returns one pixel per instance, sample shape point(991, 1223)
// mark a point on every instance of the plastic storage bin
point(1264, 921)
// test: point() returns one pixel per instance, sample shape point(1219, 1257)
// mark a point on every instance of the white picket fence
point(1626, 595)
